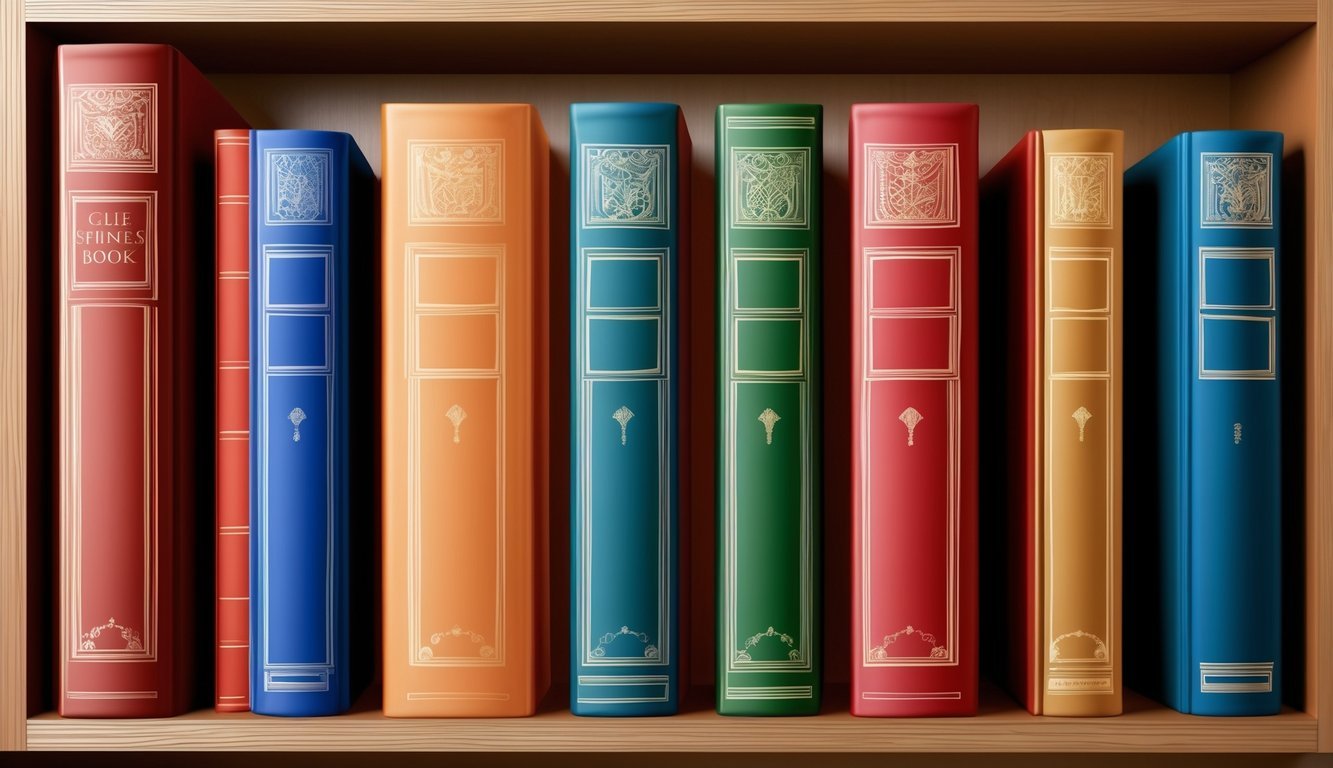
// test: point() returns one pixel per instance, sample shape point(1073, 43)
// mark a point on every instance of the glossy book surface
point(769, 164)
point(629, 222)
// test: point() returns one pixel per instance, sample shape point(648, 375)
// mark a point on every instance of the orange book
point(464, 422)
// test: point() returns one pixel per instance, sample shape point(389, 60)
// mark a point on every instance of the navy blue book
point(1203, 423)
point(301, 233)
point(629, 227)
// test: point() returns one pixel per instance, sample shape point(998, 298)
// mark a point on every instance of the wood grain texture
point(1321, 362)
point(676, 10)
point(13, 382)
point(1273, 94)
point(999, 727)
point(612, 45)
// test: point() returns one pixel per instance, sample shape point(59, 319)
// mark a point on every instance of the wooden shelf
point(1153, 67)
point(1000, 726)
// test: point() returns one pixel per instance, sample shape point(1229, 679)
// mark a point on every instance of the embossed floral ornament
point(296, 417)
point(456, 632)
point(793, 653)
point(769, 418)
point(1082, 416)
point(911, 417)
point(649, 650)
point(456, 414)
point(622, 415)
point(937, 651)
point(133, 642)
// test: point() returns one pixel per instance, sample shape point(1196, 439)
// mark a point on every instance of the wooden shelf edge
point(1001, 727)
point(680, 10)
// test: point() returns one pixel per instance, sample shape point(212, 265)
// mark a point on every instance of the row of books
point(1000, 378)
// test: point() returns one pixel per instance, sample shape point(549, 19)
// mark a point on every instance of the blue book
point(629, 173)
point(1202, 426)
point(301, 231)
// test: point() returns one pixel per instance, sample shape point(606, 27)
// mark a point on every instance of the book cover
point(1053, 352)
point(465, 410)
point(308, 249)
point(135, 158)
point(231, 466)
point(629, 227)
point(769, 163)
point(914, 409)
point(1203, 216)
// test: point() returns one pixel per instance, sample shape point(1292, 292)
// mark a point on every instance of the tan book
point(1054, 206)
point(464, 421)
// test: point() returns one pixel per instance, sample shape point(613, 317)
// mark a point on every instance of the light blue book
point(303, 226)
point(629, 173)
point(1203, 423)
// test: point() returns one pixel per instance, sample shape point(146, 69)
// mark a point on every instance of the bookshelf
point(1153, 67)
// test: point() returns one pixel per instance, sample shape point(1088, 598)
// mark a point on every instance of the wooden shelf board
point(675, 10)
point(1001, 726)
point(623, 47)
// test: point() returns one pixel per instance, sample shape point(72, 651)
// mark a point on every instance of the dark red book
point(914, 409)
point(136, 129)
point(232, 458)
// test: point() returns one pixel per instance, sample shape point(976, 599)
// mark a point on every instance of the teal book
point(769, 160)
point(1203, 616)
point(629, 227)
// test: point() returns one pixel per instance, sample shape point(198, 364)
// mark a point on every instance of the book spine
point(914, 409)
point(1010, 411)
point(769, 163)
point(299, 417)
point(464, 419)
point(232, 456)
point(135, 140)
point(627, 224)
point(1081, 206)
point(1232, 192)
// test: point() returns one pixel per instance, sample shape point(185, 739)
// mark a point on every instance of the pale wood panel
point(1274, 94)
point(613, 45)
point(1321, 458)
point(1000, 727)
point(678, 10)
point(13, 383)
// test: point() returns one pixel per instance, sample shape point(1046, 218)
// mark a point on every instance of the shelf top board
point(745, 11)
point(1000, 726)
point(612, 44)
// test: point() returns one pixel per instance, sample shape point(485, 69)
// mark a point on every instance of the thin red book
point(135, 143)
point(914, 409)
point(232, 458)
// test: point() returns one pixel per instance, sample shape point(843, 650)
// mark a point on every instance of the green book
point(769, 159)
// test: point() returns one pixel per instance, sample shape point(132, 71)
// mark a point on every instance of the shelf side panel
point(13, 381)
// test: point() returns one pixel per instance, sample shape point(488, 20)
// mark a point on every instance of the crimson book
point(136, 149)
point(914, 409)
point(232, 417)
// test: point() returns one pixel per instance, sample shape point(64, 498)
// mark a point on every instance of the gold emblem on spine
point(911, 417)
point(768, 418)
point(456, 415)
point(1081, 416)
point(1235, 433)
point(296, 417)
point(622, 415)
